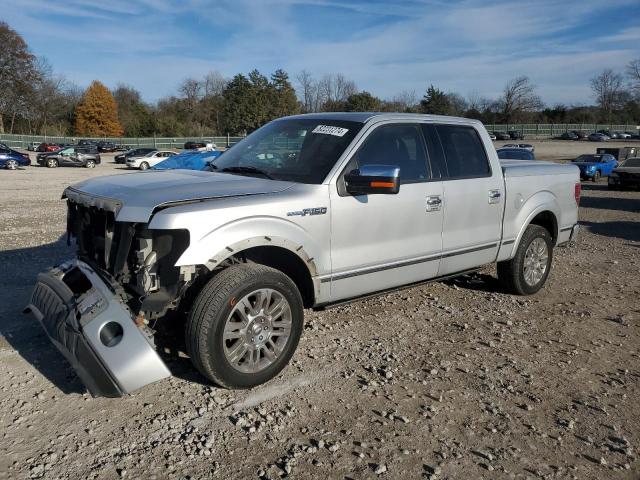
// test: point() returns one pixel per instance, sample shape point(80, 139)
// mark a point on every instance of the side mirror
point(373, 179)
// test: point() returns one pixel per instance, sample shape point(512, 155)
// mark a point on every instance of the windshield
point(586, 158)
point(514, 155)
point(298, 150)
point(631, 162)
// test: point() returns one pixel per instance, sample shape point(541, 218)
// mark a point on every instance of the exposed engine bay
point(139, 260)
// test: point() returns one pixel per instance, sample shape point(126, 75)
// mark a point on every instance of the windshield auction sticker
point(329, 130)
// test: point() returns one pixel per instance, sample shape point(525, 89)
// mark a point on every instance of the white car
point(149, 160)
point(524, 146)
point(33, 146)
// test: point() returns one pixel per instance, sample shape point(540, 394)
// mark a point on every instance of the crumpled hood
point(135, 196)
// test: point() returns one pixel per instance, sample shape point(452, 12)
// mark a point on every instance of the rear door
point(473, 197)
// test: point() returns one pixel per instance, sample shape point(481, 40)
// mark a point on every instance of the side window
point(463, 150)
point(399, 145)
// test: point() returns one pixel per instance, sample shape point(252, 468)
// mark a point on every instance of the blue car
point(515, 154)
point(188, 161)
point(594, 166)
point(12, 159)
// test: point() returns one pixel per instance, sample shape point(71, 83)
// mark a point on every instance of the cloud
point(385, 46)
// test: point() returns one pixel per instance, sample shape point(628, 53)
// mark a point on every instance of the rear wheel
point(244, 325)
point(596, 176)
point(527, 271)
point(11, 165)
point(52, 163)
point(90, 164)
point(144, 166)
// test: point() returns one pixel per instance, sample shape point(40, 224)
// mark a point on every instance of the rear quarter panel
point(528, 193)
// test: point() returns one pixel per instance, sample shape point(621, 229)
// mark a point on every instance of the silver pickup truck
point(307, 211)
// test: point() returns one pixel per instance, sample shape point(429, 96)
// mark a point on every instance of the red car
point(48, 147)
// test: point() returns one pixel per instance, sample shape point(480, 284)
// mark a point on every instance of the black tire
point(213, 306)
point(596, 176)
point(90, 164)
point(51, 163)
point(511, 272)
point(144, 166)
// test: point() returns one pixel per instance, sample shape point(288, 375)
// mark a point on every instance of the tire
point(232, 362)
point(11, 165)
point(144, 166)
point(90, 164)
point(52, 163)
point(511, 273)
point(596, 176)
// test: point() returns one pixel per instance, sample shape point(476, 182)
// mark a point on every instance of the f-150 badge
point(308, 211)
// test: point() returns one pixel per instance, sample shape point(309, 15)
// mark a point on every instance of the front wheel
point(527, 271)
point(11, 165)
point(244, 325)
point(596, 176)
point(144, 166)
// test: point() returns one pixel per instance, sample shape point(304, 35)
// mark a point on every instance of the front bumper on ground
point(94, 331)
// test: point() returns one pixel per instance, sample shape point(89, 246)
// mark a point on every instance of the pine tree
point(97, 113)
point(435, 102)
point(284, 101)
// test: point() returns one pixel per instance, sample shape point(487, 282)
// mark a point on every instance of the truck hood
point(627, 169)
point(135, 196)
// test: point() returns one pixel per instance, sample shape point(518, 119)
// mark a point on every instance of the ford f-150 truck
point(305, 212)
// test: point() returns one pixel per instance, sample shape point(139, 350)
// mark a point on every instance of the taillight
point(577, 191)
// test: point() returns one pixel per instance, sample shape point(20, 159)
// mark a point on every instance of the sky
point(472, 47)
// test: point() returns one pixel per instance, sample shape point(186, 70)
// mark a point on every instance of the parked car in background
point(581, 134)
point(608, 133)
point(136, 152)
point(48, 147)
point(12, 159)
point(594, 166)
point(85, 142)
point(120, 147)
point(526, 146)
point(502, 136)
point(189, 160)
point(626, 175)
point(516, 135)
point(623, 135)
point(569, 136)
point(515, 154)
point(149, 160)
point(106, 147)
point(492, 136)
point(70, 157)
point(32, 146)
point(193, 145)
point(620, 153)
point(598, 137)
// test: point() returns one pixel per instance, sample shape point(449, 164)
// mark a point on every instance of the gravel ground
point(448, 380)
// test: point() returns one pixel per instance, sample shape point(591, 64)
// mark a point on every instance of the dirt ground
point(448, 380)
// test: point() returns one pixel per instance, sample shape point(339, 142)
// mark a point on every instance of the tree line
point(35, 100)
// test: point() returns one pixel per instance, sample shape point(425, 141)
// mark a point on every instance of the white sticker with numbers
point(329, 130)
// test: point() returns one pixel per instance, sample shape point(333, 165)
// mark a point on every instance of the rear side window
point(463, 150)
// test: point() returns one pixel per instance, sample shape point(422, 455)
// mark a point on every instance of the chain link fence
point(551, 130)
point(22, 141)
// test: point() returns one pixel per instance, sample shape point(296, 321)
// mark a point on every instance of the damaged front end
point(95, 308)
point(94, 330)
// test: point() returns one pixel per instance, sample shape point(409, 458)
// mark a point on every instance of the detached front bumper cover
point(94, 331)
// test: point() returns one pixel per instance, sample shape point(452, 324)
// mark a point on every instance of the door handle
point(494, 196)
point(434, 203)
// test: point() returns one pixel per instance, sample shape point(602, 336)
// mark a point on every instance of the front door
point(383, 241)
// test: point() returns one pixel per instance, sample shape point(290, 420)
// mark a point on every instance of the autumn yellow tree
point(97, 113)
